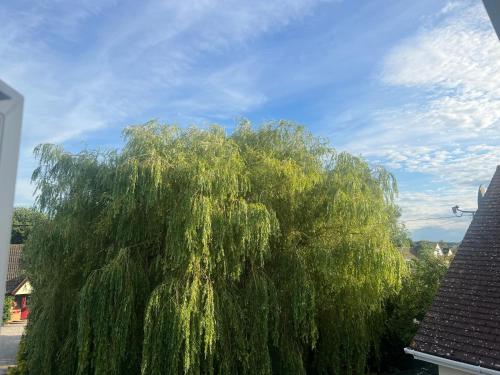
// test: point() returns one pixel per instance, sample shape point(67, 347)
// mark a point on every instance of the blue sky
point(412, 85)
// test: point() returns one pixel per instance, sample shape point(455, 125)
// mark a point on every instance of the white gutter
point(465, 367)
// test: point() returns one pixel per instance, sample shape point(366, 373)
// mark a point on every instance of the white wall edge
point(11, 113)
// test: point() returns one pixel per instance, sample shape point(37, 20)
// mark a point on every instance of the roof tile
point(14, 271)
point(463, 323)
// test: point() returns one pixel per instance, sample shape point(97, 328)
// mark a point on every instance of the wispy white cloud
point(431, 209)
point(447, 122)
point(434, 108)
point(92, 64)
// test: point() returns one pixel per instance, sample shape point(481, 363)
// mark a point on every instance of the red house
point(17, 285)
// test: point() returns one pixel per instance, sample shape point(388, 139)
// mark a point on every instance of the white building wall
point(24, 289)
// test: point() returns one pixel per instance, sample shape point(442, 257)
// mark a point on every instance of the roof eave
point(493, 10)
point(440, 361)
point(19, 286)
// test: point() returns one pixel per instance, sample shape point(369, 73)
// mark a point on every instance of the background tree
point(23, 220)
point(407, 309)
point(401, 237)
point(196, 252)
point(424, 248)
point(7, 305)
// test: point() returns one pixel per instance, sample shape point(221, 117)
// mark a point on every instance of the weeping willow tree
point(191, 251)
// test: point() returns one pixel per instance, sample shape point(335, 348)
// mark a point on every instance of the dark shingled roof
point(14, 272)
point(13, 284)
point(463, 323)
point(14, 268)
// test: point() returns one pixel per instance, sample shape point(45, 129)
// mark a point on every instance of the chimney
point(480, 195)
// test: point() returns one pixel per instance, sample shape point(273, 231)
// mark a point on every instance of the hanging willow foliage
point(192, 251)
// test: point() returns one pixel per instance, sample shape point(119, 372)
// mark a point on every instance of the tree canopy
point(23, 220)
point(407, 309)
point(191, 251)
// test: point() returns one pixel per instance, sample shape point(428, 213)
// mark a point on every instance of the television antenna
point(458, 212)
point(11, 113)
